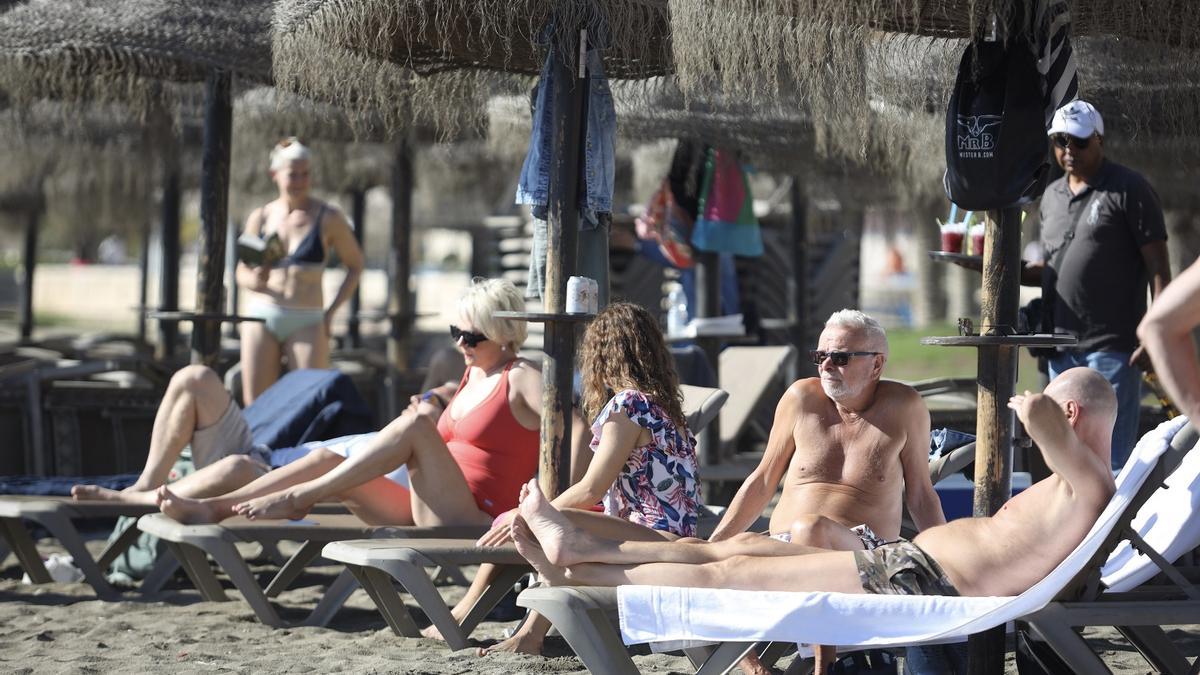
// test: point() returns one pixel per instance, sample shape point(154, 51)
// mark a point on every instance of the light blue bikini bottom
point(283, 321)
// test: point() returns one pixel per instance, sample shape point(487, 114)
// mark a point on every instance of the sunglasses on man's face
point(1063, 140)
point(818, 356)
point(468, 338)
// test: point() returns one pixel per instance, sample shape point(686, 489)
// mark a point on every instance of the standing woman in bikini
point(287, 296)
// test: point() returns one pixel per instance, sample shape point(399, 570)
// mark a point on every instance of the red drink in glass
point(952, 241)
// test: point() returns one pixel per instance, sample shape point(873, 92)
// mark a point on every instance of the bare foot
point(432, 632)
point(563, 543)
point(126, 496)
point(750, 665)
point(185, 510)
point(520, 643)
point(530, 549)
point(275, 506)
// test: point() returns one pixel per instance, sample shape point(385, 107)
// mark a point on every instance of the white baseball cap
point(1077, 118)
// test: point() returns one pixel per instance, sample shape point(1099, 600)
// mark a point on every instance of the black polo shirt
point(1102, 279)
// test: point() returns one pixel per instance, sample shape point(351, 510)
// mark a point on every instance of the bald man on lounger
point(1004, 554)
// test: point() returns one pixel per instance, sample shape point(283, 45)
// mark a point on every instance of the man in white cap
point(1103, 240)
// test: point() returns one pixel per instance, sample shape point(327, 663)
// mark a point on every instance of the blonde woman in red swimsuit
point(467, 459)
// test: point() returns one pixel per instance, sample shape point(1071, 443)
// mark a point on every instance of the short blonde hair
point(485, 296)
point(290, 149)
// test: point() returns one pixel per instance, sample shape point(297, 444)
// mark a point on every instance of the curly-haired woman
point(643, 467)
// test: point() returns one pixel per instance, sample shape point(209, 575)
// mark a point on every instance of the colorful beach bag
point(726, 222)
point(667, 225)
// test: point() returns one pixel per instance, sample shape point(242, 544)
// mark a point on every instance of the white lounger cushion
point(660, 613)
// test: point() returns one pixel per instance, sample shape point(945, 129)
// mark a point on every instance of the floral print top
point(659, 486)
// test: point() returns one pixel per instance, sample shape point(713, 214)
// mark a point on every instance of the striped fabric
point(1056, 61)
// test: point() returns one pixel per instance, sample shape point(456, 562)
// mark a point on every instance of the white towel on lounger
point(661, 613)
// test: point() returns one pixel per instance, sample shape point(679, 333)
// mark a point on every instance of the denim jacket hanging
point(599, 152)
point(595, 204)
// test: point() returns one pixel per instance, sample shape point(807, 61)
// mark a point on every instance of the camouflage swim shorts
point(901, 568)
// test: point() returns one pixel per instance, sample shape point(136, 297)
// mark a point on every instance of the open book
point(257, 251)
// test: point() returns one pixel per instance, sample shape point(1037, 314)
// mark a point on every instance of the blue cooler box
point(958, 494)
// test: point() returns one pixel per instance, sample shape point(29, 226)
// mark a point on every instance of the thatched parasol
point(132, 51)
point(440, 59)
point(137, 52)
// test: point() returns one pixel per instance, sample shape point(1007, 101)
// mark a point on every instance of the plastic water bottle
point(677, 313)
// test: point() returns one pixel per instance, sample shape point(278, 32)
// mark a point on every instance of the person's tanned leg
point(564, 543)
point(439, 491)
point(179, 506)
point(195, 399)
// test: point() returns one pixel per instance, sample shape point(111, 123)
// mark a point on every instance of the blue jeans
point(599, 144)
point(1126, 381)
point(948, 659)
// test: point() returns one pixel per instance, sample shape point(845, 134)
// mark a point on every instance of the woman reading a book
point(282, 257)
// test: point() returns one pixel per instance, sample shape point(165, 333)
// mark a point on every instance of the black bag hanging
point(996, 154)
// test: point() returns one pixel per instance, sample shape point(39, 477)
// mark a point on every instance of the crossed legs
point(440, 494)
point(195, 399)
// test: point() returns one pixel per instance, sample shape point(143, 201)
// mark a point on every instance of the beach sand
point(62, 628)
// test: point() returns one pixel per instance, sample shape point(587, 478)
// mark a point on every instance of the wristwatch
point(432, 395)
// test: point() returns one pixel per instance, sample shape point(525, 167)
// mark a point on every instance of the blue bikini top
point(310, 251)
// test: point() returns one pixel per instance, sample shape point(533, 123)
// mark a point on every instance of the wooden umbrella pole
point(400, 297)
point(214, 209)
point(358, 213)
point(800, 318)
point(168, 286)
point(143, 281)
point(997, 383)
point(29, 264)
point(570, 106)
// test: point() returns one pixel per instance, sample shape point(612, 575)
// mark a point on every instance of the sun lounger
point(701, 405)
point(376, 562)
point(748, 374)
point(666, 614)
point(191, 543)
point(59, 516)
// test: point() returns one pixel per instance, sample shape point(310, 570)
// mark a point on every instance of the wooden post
point(800, 314)
point(168, 284)
point(214, 208)
point(570, 104)
point(231, 261)
point(358, 215)
point(143, 281)
point(400, 306)
point(32, 221)
point(997, 383)
point(708, 304)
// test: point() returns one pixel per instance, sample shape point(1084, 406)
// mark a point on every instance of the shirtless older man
point(1004, 554)
point(846, 446)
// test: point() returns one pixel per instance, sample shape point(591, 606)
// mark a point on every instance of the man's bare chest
point(859, 454)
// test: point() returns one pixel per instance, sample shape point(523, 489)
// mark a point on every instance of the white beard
point(839, 391)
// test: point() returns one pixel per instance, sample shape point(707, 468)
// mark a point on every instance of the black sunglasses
point(468, 338)
point(1062, 140)
point(818, 356)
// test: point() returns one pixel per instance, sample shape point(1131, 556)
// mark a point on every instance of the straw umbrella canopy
point(138, 52)
point(129, 51)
